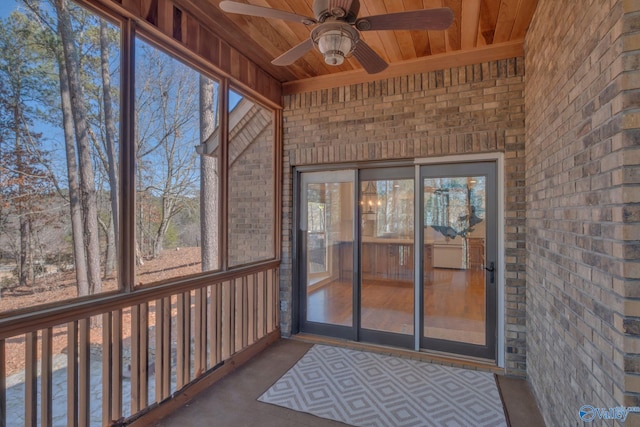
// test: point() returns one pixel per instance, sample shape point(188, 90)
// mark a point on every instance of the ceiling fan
point(337, 36)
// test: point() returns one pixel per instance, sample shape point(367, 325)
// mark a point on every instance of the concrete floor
point(233, 401)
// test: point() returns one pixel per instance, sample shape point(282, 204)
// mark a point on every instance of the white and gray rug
point(367, 389)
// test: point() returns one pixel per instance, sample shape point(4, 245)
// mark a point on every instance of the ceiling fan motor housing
point(325, 9)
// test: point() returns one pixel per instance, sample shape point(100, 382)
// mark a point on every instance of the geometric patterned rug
point(367, 389)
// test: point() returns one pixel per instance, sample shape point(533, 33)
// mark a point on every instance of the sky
point(6, 7)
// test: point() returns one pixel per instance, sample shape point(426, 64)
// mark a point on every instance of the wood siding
point(171, 25)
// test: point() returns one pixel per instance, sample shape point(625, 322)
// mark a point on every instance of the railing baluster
point(251, 310)
point(203, 332)
point(271, 299)
point(116, 357)
point(219, 322)
point(245, 312)
point(200, 331)
point(84, 382)
point(261, 325)
point(180, 342)
point(3, 386)
point(135, 359)
point(236, 308)
point(143, 332)
point(276, 296)
point(107, 368)
point(46, 393)
point(166, 346)
point(187, 337)
point(72, 374)
point(31, 379)
point(227, 315)
point(159, 356)
point(215, 314)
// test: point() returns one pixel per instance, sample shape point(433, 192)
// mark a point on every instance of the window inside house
point(59, 145)
point(177, 157)
point(251, 181)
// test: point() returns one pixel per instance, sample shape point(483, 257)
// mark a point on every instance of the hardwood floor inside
point(454, 305)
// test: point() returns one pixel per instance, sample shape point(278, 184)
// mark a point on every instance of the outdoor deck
point(233, 400)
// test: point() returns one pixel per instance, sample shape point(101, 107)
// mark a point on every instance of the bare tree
point(209, 173)
point(166, 117)
point(81, 129)
point(79, 254)
point(25, 180)
point(110, 142)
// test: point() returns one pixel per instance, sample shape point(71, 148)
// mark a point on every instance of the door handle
point(492, 272)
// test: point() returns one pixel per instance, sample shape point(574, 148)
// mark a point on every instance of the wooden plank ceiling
point(477, 25)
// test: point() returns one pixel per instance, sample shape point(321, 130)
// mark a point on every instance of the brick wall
point(251, 173)
point(472, 109)
point(582, 174)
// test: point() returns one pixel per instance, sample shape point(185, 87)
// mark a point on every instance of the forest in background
point(60, 144)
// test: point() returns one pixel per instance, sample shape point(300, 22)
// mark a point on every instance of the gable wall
point(471, 109)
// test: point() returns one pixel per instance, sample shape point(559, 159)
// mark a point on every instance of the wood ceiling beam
point(525, 13)
point(470, 22)
point(506, 19)
point(512, 49)
point(437, 40)
point(453, 37)
point(489, 10)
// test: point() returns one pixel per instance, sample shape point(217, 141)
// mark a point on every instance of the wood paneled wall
point(166, 22)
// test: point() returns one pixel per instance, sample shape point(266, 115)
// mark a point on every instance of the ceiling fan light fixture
point(335, 42)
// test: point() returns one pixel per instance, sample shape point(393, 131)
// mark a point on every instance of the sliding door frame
point(370, 335)
point(299, 260)
point(298, 286)
point(498, 159)
point(461, 170)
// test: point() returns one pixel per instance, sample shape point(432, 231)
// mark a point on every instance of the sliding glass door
point(326, 260)
point(459, 257)
point(387, 267)
point(402, 256)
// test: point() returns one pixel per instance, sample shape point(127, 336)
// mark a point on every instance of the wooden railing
point(126, 353)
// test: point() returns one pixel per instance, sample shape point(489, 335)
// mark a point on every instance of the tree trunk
point(110, 132)
point(87, 180)
point(111, 251)
point(23, 258)
point(158, 242)
point(79, 255)
point(23, 268)
point(208, 178)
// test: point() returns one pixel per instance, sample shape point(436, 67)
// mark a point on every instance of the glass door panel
point(458, 289)
point(454, 282)
point(387, 256)
point(327, 233)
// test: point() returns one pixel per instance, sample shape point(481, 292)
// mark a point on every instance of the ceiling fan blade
point(293, 54)
point(428, 19)
point(368, 58)
point(263, 12)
